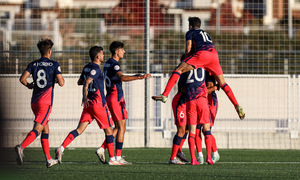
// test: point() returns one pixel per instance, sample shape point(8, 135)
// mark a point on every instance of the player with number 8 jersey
point(45, 73)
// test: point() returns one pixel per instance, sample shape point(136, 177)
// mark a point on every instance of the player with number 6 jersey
point(45, 73)
point(180, 120)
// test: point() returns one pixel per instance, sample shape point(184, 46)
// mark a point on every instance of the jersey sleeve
point(82, 74)
point(116, 68)
point(57, 69)
point(94, 73)
point(188, 36)
point(29, 68)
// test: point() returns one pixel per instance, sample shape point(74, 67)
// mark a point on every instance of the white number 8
point(41, 74)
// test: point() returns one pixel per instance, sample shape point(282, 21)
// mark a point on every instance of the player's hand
point(147, 76)
point(85, 102)
point(30, 85)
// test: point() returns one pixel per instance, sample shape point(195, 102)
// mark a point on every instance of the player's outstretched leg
point(240, 112)
point(71, 136)
point(171, 83)
point(160, 97)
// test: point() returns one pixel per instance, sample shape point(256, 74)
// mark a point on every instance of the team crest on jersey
point(117, 67)
point(93, 72)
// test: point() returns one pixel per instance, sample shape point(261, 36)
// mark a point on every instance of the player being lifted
point(204, 56)
point(44, 73)
point(95, 106)
point(115, 98)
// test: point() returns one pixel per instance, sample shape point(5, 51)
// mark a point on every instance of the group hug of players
point(194, 106)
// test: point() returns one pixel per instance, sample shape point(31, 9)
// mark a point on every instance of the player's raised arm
point(123, 77)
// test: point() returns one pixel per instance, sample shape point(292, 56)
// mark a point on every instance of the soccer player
point(94, 105)
point(197, 111)
point(45, 73)
point(180, 120)
point(213, 105)
point(115, 98)
point(213, 108)
point(204, 56)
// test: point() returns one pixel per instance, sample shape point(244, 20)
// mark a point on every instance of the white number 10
point(205, 36)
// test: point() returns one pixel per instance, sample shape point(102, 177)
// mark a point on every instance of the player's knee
point(122, 129)
point(206, 127)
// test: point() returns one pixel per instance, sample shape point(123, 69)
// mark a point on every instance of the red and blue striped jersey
point(43, 72)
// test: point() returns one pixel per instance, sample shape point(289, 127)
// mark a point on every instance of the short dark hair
point(114, 46)
point(94, 51)
point(195, 22)
point(44, 45)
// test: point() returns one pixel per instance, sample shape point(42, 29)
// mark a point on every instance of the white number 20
point(191, 80)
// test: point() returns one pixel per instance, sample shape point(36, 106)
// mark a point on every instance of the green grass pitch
point(152, 163)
